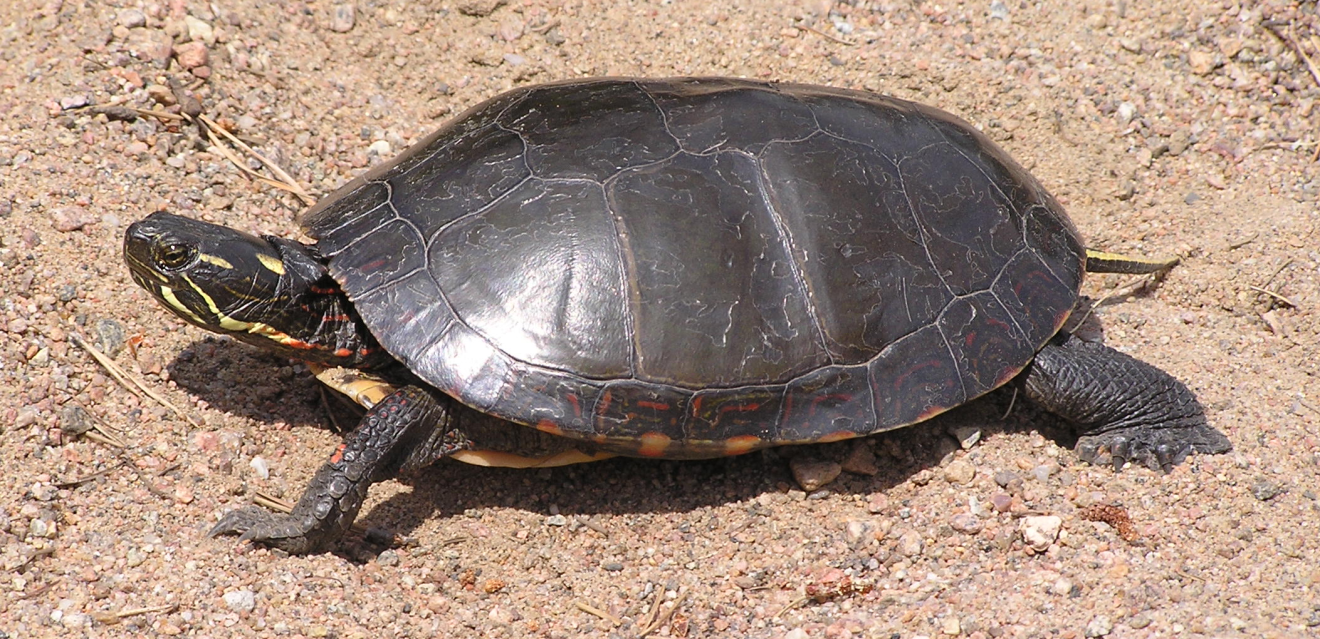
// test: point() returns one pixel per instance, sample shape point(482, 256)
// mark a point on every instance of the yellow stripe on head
point(271, 262)
point(170, 298)
point(218, 261)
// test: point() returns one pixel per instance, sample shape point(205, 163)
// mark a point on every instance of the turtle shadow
point(624, 487)
point(245, 381)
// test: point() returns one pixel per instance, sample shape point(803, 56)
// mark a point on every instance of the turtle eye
point(175, 255)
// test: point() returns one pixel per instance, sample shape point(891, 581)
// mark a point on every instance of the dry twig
point(122, 376)
point(288, 183)
point(592, 610)
point(827, 36)
point(662, 619)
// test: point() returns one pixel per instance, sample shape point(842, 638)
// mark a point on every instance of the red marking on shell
point(577, 408)
point(898, 381)
point(653, 405)
point(653, 444)
point(741, 408)
point(547, 426)
point(837, 436)
point(374, 264)
point(604, 404)
point(324, 290)
point(338, 454)
point(841, 398)
point(337, 318)
point(970, 339)
point(696, 404)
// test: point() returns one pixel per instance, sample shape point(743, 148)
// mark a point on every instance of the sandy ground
point(1190, 128)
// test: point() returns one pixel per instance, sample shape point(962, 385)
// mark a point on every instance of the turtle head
point(268, 291)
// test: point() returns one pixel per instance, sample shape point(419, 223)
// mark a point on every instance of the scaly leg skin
point(409, 429)
point(1125, 409)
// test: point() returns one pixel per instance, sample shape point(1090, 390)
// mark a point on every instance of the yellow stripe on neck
point(173, 300)
point(228, 323)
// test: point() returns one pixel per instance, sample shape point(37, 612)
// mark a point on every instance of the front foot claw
point(260, 526)
point(1155, 448)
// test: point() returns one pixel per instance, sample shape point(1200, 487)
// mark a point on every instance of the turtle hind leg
point(407, 430)
point(1123, 407)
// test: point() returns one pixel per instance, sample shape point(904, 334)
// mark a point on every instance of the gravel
point(1179, 127)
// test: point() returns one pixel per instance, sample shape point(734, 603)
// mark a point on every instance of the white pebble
point(241, 600)
point(261, 466)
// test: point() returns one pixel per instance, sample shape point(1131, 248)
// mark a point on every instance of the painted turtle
point(677, 268)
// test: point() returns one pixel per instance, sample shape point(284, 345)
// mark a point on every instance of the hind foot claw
point(1155, 448)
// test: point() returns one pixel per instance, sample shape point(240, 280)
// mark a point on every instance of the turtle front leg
point(1122, 406)
point(407, 430)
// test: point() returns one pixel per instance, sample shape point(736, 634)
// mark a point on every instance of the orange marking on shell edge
point(836, 436)
point(741, 444)
point(931, 412)
point(299, 344)
point(653, 444)
point(599, 439)
point(547, 426)
point(336, 318)
point(653, 405)
point(338, 454)
point(1006, 376)
point(324, 290)
point(342, 352)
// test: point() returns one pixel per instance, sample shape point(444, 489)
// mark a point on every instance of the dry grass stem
point(289, 183)
point(125, 379)
point(592, 610)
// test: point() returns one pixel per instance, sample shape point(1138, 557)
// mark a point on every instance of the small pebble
point(342, 18)
point(1099, 627)
point(110, 337)
point(556, 520)
point(1041, 531)
point(241, 600)
point(71, 218)
point(951, 626)
point(959, 471)
point(74, 420)
point(814, 473)
point(910, 544)
point(1265, 490)
point(966, 524)
point(855, 532)
point(132, 18)
point(1044, 471)
point(192, 55)
point(612, 566)
point(967, 436)
point(860, 460)
point(1005, 477)
point(260, 466)
point(877, 503)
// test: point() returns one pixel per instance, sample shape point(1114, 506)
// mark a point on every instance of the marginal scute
point(697, 267)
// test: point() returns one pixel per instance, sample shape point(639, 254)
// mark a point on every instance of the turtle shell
point(700, 267)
